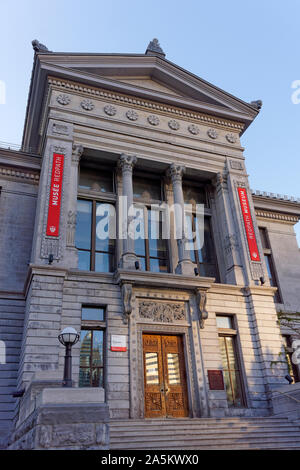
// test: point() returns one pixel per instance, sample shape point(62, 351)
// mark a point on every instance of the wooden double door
point(165, 385)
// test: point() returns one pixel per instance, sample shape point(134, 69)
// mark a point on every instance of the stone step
point(207, 444)
point(214, 433)
point(192, 421)
point(203, 427)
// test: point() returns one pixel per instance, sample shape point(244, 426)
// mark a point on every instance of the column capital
point(175, 172)
point(77, 151)
point(127, 162)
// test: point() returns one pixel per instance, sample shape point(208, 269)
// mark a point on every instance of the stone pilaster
point(126, 164)
point(185, 265)
point(59, 139)
point(233, 270)
point(71, 252)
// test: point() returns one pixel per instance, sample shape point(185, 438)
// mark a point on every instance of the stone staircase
point(205, 433)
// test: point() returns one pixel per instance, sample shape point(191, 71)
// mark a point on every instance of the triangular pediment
point(142, 76)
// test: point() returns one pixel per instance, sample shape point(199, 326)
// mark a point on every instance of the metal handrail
point(285, 393)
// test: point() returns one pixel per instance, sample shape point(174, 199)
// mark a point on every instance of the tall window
point(150, 247)
point(231, 364)
point(202, 250)
point(292, 368)
point(92, 347)
point(269, 262)
point(95, 224)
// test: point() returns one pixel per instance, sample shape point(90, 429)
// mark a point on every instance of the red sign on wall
point(215, 379)
point(252, 244)
point(55, 195)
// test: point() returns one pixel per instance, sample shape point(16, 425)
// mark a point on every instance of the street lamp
point(68, 337)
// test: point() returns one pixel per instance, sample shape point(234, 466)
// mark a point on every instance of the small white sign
point(118, 343)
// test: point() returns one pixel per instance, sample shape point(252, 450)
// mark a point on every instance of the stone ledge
point(70, 396)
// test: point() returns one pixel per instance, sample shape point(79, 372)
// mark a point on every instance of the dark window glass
point(231, 371)
point(147, 189)
point(84, 224)
point(151, 250)
point(95, 179)
point(264, 238)
point(194, 194)
point(91, 358)
point(93, 313)
point(272, 276)
point(201, 247)
point(95, 236)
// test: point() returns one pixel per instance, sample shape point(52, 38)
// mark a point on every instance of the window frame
point(145, 204)
point(97, 197)
point(233, 333)
point(267, 252)
point(208, 216)
point(95, 325)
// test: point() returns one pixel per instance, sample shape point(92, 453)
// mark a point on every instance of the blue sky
point(248, 49)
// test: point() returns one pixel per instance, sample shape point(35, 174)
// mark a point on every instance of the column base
point(130, 261)
point(185, 267)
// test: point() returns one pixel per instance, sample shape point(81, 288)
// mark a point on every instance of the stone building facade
point(177, 332)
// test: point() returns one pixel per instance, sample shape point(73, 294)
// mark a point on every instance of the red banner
point(252, 244)
point(55, 195)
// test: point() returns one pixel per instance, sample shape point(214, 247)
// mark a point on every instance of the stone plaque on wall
point(215, 379)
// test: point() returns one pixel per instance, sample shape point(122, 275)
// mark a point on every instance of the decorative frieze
point(277, 216)
point(231, 138)
point(110, 110)
point(153, 120)
point(71, 225)
point(88, 105)
point(174, 125)
point(212, 133)
point(132, 115)
point(143, 103)
point(193, 129)
point(20, 174)
point(63, 99)
point(164, 312)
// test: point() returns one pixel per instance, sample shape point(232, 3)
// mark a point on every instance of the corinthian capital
point(77, 151)
point(175, 172)
point(127, 162)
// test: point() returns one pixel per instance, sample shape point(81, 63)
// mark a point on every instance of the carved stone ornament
point(162, 311)
point(38, 46)
point(127, 298)
point(132, 115)
point(174, 125)
point(71, 224)
point(60, 129)
point(110, 110)
point(231, 138)
point(193, 129)
point(63, 99)
point(88, 105)
point(153, 120)
point(201, 299)
point(77, 151)
point(154, 47)
point(127, 162)
point(175, 172)
point(212, 133)
point(236, 165)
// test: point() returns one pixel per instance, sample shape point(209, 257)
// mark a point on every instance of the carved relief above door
point(164, 376)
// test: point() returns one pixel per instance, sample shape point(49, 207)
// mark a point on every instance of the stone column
point(185, 265)
point(71, 252)
point(126, 164)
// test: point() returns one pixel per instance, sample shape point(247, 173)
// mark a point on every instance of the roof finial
point(154, 48)
point(39, 47)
